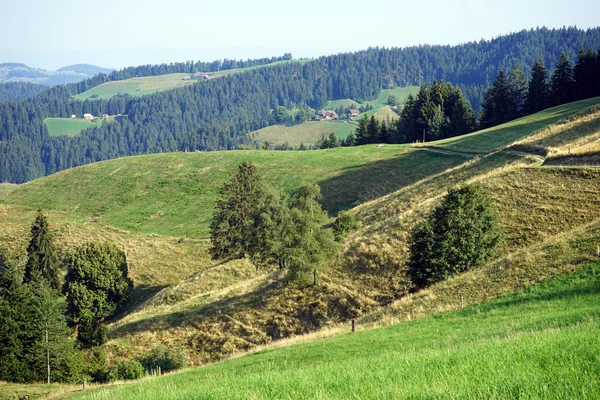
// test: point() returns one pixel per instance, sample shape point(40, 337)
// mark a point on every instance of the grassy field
point(502, 135)
point(68, 126)
point(152, 84)
point(538, 343)
point(380, 102)
point(136, 86)
point(184, 186)
point(307, 132)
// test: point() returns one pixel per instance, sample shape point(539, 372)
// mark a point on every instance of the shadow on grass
point(366, 182)
point(583, 283)
point(214, 310)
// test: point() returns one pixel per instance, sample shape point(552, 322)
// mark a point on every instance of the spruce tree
point(234, 213)
point(362, 132)
point(42, 262)
point(518, 92)
point(496, 107)
point(561, 84)
point(584, 74)
point(538, 91)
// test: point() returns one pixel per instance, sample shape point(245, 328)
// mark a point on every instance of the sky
point(51, 34)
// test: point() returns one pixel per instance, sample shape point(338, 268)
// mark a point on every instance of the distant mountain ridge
point(19, 72)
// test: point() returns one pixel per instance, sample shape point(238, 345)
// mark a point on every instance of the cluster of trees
point(219, 113)
point(254, 220)
point(460, 234)
point(39, 312)
point(512, 96)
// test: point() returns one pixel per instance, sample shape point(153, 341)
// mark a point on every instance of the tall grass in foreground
point(539, 343)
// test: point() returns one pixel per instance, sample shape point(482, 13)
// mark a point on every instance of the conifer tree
point(584, 74)
point(562, 84)
point(459, 234)
point(42, 262)
point(362, 132)
point(538, 91)
point(234, 213)
point(518, 92)
point(309, 247)
point(496, 107)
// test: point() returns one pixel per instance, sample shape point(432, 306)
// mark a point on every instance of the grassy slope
point(307, 132)
point(539, 343)
point(68, 126)
point(152, 84)
point(502, 135)
point(136, 86)
point(174, 193)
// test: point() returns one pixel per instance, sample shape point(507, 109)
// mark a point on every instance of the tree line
point(511, 96)
point(218, 114)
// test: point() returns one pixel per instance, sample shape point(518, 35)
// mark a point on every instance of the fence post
point(352, 326)
point(461, 302)
point(84, 383)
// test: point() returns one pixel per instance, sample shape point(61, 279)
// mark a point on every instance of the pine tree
point(561, 84)
point(584, 74)
point(350, 139)
point(518, 91)
point(42, 262)
point(332, 141)
point(496, 107)
point(362, 132)
point(538, 91)
point(234, 213)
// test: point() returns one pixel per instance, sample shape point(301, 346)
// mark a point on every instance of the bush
point(163, 358)
point(344, 223)
point(127, 370)
point(459, 234)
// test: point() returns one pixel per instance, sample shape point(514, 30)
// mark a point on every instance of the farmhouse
point(73, 116)
point(202, 75)
point(354, 112)
point(325, 114)
point(88, 116)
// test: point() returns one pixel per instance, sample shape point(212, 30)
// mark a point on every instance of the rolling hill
point(152, 84)
point(157, 208)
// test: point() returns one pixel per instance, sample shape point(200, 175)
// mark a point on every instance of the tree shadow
point(217, 309)
point(356, 185)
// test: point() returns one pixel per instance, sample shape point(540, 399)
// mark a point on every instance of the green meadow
point(307, 132)
point(68, 126)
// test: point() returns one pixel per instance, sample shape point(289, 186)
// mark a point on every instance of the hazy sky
point(117, 33)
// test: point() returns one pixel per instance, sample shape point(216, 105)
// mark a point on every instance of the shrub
point(459, 234)
point(127, 370)
point(163, 358)
point(344, 223)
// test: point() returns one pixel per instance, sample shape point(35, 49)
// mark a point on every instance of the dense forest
point(218, 114)
point(11, 91)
